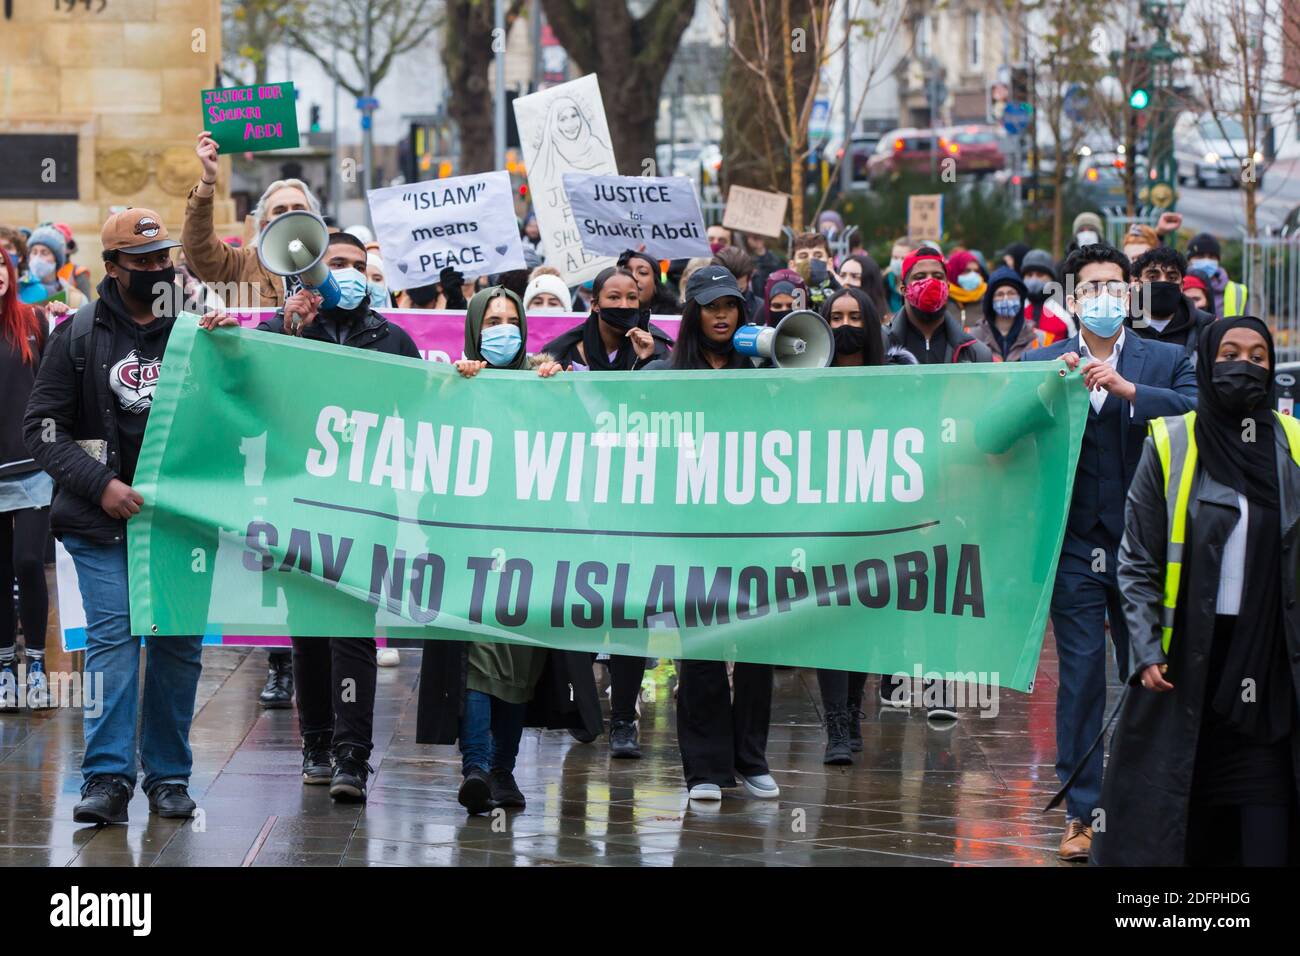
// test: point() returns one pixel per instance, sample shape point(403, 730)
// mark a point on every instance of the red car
point(902, 151)
point(975, 148)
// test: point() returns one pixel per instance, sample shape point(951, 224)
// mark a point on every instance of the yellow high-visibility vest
point(1175, 440)
point(1234, 300)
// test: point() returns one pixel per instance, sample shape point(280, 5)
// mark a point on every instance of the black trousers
point(719, 735)
point(334, 681)
point(625, 676)
point(23, 535)
point(841, 689)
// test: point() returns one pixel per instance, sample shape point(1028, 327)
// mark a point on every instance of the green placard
point(874, 520)
point(249, 119)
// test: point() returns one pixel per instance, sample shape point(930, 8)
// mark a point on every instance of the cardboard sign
point(754, 211)
point(614, 213)
point(466, 223)
point(925, 217)
point(563, 130)
point(249, 119)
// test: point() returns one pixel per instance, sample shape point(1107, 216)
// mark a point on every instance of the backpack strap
point(83, 324)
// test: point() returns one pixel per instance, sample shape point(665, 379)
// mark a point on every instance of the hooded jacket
point(1184, 328)
point(108, 402)
point(1021, 336)
point(474, 329)
point(777, 277)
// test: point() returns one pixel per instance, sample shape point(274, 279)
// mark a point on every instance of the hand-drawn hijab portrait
point(568, 143)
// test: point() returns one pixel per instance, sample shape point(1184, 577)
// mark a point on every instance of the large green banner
point(877, 520)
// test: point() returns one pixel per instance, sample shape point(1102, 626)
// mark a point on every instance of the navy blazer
point(1162, 374)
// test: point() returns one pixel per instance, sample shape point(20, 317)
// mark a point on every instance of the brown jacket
point(211, 260)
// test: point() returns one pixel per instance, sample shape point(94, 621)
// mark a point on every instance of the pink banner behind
point(440, 336)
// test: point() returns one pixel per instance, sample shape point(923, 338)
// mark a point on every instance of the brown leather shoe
point(1076, 842)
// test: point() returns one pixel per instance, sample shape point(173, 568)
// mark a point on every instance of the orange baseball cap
point(136, 231)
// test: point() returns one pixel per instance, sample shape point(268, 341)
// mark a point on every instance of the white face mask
point(1087, 237)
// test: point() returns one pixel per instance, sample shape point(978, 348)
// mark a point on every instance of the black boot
point(475, 793)
point(856, 715)
point(317, 764)
point(351, 771)
point(103, 800)
point(505, 791)
point(837, 738)
point(277, 694)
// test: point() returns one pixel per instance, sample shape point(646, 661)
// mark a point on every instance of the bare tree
point(1064, 58)
point(251, 28)
point(1232, 79)
point(780, 34)
point(468, 50)
point(396, 27)
point(630, 56)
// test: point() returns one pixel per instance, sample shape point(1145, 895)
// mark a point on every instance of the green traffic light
point(1139, 99)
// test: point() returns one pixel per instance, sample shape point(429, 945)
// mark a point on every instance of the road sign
point(1075, 102)
point(367, 103)
point(1015, 118)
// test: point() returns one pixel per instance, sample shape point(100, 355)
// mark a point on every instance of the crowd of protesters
point(1159, 333)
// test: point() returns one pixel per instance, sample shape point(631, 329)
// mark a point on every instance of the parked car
point(977, 149)
point(1210, 151)
point(905, 150)
point(1101, 180)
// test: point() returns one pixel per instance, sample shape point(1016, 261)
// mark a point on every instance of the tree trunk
point(467, 57)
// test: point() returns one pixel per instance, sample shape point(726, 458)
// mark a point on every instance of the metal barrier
point(1117, 222)
point(1270, 270)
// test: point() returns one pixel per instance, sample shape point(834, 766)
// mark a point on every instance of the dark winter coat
point(565, 696)
point(962, 346)
point(1148, 779)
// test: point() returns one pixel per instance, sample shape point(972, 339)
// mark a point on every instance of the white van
point(1211, 151)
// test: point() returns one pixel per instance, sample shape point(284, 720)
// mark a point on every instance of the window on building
point(974, 37)
point(922, 33)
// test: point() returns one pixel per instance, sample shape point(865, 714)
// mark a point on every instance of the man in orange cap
point(84, 425)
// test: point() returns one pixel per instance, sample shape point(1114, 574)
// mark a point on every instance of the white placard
point(465, 222)
point(563, 130)
point(615, 213)
point(754, 211)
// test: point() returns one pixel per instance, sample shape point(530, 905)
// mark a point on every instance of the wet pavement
point(920, 794)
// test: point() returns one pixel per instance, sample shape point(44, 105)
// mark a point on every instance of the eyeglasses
point(1086, 290)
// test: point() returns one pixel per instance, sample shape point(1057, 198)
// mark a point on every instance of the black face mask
point(1242, 386)
point(721, 348)
point(849, 339)
point(1164, 298)
point(776, 315)
point(622, 318)
point(150, 286)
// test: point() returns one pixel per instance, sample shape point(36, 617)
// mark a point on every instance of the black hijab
point(1248, 467)
point(1257, 648)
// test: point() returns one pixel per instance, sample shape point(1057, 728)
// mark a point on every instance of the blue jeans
point(172, 667)
point(490, 730)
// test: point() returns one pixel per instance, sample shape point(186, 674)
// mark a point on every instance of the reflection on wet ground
point(918, 794)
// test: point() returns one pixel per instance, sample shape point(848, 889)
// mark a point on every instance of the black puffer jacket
point(82, 408)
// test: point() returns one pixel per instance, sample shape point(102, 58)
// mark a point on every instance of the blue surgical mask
point(378, 295)
point(1103, 314)
point(13, 257)
point(41, 268)
point(1007, 308)
point(970, 281)
point(1035, 285)
point(500, 344)
point(1203, 265)
point(353, 288)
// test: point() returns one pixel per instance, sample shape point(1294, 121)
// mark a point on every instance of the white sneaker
point(762, 786)
point(387, 657)
point(706, 791)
